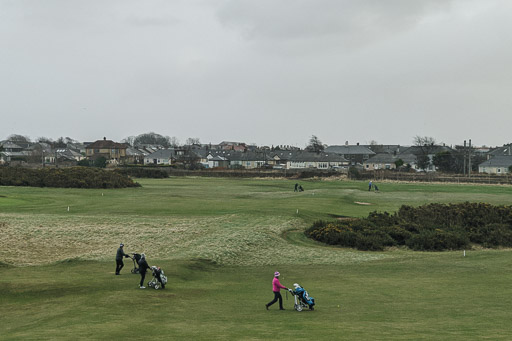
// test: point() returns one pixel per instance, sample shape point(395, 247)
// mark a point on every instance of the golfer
point(119, 258)
point(276, 288)
point(143, 266)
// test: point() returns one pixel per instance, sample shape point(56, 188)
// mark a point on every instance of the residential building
point(497, 165)
point(112, 151)
point(355, 154)
point(161, 157)
point(388, 161)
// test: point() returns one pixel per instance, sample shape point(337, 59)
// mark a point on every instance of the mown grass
point(219, 241)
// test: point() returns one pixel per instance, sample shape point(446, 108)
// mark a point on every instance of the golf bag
point(302, 298)
point(159, 279)
point(135, 258)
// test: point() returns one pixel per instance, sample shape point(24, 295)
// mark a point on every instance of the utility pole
point(469, 159)
point(464, 152)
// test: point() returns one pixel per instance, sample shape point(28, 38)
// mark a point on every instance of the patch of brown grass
point(235, 239)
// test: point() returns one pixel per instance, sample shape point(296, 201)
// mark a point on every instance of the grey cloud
point(353, 22)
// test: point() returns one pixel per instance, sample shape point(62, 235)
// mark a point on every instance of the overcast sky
point(268, 72)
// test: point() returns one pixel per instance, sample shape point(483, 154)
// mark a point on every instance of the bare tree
point(129, 140)
point(423, 141)
point(18, 138)
point(46, 140)
point(426, 146)
point(192, 140)
point(173, 141)
point(315, 145)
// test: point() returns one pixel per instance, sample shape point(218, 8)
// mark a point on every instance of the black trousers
point(119, 265)
point(277, 296)
point(142, 276)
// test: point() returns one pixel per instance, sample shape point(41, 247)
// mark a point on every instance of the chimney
point(104, 138)
point(346, 143)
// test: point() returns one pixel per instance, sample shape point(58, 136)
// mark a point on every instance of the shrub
point(498, 235)
point(143, 172)
point(437, 240)
point(75, 177)
point(432, 227)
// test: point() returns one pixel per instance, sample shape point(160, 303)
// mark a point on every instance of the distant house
point(506, 150)
point(135, 156)
point(66, 154)
point(161, 157)
point(250, 160)
point(281, 157)
point(355, 154)
point(393, 149)
point(497, 165)
point(428, 151)
point(112, 151)
point(322, 160)
point(216, 161)
point(388, 161)
point(236, 146)
point(11, 151)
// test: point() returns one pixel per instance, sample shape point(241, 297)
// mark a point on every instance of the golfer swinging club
point(276, 288)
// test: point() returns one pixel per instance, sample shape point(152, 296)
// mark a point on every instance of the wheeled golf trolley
point(135, 257)
point(302, 299)
point(159, 279)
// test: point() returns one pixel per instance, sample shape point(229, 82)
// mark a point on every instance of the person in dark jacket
point(119, 258)
point(143, 266)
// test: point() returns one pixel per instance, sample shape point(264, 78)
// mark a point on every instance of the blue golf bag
point(302, 298)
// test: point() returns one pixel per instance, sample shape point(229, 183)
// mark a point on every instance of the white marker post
point(297, 211)
point(68, 208)
point(464, 253)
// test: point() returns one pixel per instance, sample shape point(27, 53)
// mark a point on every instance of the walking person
point(119, 258)
point(143, 266)
point(370, 185)
point(276, 289)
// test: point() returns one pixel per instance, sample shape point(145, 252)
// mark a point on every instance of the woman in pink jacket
point(276, 288)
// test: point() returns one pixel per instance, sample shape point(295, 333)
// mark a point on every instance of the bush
point(432, 227)
point(498, 235)
point(437, 240)
point(75, 177)
point(143, 172)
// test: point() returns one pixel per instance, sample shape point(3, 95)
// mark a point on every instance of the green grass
point(219, 241)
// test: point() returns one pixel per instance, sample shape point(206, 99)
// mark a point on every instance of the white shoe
point(143, 287)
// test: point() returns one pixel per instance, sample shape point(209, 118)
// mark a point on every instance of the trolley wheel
point(150, 284)
point(298, 307)
point(157, 286)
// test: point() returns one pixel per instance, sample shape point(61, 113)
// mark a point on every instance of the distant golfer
point(143, 266)
point(296, 188)
point(276, 288)
point(119, 258)
point(370, 185)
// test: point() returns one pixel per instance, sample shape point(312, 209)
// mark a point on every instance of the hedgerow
point(75, 177)
point(432, 227)
point(144, 172)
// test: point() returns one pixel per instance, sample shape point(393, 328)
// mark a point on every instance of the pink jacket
point(276, 286)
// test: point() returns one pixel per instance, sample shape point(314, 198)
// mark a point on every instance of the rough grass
point(234, 239)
